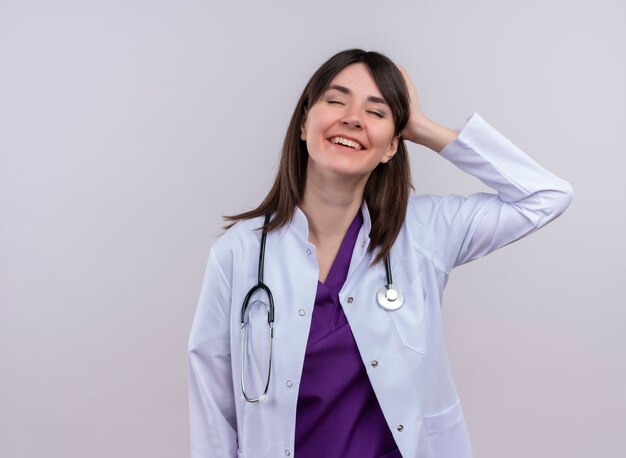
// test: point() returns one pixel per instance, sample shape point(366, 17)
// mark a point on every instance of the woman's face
point(350, 129)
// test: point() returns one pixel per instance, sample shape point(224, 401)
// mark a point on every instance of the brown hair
point(388, 186)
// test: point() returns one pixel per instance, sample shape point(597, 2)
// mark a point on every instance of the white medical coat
point(411, 375)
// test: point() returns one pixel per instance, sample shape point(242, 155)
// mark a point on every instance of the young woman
point(339, 351)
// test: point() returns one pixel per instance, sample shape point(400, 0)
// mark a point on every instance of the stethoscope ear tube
point(263, 396)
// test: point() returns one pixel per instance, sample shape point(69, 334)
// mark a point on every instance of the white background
point(127, 128)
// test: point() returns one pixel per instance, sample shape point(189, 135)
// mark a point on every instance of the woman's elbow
point(559, 199)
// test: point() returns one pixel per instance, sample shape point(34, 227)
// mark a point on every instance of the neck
point(330, 205)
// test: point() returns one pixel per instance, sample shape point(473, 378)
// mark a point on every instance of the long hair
point(388, 186)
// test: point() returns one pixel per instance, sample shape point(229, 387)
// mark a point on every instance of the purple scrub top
point(338, 414)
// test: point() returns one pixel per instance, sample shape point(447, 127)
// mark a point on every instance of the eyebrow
point(347, 91)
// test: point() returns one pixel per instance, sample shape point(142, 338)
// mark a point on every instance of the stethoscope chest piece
point(390, 298)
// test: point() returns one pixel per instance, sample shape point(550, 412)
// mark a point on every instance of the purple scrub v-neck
point(338, 414)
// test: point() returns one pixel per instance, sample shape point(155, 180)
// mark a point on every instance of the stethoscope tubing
point(270, 321)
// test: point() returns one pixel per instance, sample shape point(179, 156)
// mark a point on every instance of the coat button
point(308, 252)
point(350, 300)
point(287, 452)
point(301, 312)
point(374, 363)
point(400, 428)
point(289, 383)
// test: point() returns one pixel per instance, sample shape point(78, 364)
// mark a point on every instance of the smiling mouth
point(345, 142)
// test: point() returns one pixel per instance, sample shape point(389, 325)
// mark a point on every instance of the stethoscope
point(388, 297)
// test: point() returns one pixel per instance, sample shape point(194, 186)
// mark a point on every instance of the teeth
point(346, 142)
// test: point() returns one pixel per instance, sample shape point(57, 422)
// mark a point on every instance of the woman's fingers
point(410, 131)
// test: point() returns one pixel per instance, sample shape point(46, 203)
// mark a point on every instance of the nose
point(352, 120)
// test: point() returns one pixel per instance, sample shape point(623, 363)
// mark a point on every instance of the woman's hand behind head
point(417, 116)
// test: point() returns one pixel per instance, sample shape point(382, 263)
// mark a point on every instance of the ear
point(303, 126)
point(391, 150)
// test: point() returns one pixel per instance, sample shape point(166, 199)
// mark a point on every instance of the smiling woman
point(365, 85)
point(348, 118)
point(331, 355)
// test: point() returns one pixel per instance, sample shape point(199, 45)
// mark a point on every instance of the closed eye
point(375, 113)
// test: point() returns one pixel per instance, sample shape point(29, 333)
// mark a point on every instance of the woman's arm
point(432, 135)
point(211, 404)
point(459, 229)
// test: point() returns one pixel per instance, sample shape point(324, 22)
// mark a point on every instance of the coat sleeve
point(527, 197)
point(213, 424)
